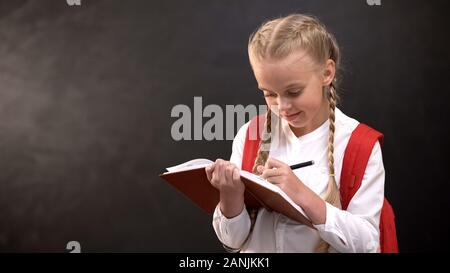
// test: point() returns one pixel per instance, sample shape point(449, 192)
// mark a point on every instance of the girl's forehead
point(295, 67)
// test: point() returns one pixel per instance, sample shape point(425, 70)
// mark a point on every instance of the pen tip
point(312, 161)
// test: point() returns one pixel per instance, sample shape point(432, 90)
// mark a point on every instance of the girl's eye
point(294, 93)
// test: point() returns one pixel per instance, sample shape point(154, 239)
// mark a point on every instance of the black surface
point(86, 93)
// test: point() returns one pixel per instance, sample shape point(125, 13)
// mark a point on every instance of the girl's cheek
point(270, 101)
point(272, 105)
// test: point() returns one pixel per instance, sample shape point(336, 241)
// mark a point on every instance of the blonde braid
point(332, 195)
point(264, 146)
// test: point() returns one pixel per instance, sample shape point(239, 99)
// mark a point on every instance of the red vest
point(357, 153)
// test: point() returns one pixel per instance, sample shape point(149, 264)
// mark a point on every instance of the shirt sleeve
point(232, 232)
point(357, 228)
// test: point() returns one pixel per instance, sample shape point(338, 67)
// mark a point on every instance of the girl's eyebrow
point(286, 88)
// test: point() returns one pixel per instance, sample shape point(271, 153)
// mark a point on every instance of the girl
point(294, 60)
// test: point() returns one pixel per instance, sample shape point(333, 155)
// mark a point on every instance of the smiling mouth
point(291, 117)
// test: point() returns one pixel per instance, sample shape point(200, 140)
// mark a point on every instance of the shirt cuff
point(227, 221)
point(330, 230)
point(233, 231)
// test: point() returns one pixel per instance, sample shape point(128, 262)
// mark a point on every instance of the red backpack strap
point(388, 232)
point(252, 139)
point(356, 157)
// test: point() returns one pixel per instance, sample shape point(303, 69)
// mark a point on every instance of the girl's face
point(293, 88)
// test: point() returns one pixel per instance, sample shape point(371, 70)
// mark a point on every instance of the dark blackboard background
point(86, 94)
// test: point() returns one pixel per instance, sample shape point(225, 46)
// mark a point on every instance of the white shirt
point(353, 230)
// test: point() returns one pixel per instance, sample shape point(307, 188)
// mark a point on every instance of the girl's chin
point(296, 124)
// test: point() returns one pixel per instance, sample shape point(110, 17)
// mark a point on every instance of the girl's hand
point(225, 177)
point(280, 174)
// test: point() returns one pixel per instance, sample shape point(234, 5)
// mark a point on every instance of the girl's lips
point(291, 117)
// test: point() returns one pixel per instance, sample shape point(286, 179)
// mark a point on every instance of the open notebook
point(191, 180)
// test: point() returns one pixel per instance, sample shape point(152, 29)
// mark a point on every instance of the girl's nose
point(283, 104)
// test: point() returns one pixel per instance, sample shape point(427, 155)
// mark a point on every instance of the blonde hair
point(277, 39)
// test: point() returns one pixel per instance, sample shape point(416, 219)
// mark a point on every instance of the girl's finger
point(260, 168)
point(276, 180)
point(229, 172)
point(221, 169)
point(268, 173)
point(236, 175)
point(209, 170)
